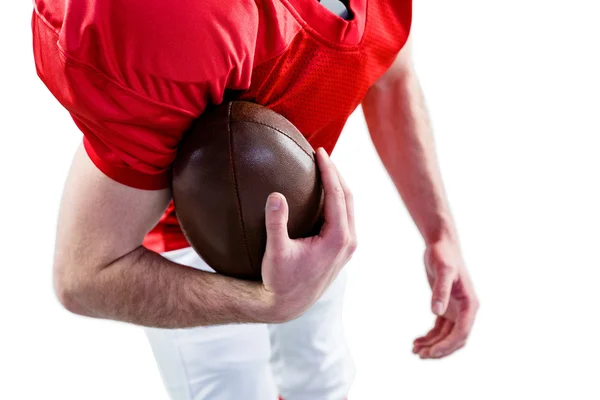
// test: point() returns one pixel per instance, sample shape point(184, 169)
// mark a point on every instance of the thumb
point(276, 219)
point(441, 288)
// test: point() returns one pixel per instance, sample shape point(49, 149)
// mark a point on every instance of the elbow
point(68, 288)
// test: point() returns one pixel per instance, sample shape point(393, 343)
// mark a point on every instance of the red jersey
point(135, 74)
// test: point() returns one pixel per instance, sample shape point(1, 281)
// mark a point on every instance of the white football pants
point(303, 359)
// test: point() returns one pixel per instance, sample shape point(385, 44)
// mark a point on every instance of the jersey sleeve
point(131, 94)
point(130, 139)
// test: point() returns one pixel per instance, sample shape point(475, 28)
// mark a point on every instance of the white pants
point(304, 359)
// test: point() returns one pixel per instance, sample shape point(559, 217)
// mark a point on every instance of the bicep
point(101, 220)
point(393, 93)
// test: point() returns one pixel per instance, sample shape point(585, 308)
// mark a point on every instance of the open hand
point(453, 301)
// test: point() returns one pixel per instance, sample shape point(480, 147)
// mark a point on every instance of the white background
point(513, 88)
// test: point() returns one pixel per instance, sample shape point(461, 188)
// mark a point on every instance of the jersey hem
point(126, 176)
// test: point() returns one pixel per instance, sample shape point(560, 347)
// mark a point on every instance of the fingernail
point(438, 308)
point(436, 354)
point(273, 202)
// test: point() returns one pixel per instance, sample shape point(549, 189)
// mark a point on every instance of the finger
point(437, 354)
point(336, 219)
point(418, 343)
point(434, 331)
point(435, 337)
point(457, 337)
point(441, 290)
point(276, 219)
point(349, 204)
point(444, 332)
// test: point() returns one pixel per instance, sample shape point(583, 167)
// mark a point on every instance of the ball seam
point(312, 157)
point(236, 189)
point(284, 134)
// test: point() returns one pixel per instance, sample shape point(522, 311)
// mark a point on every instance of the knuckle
point(442, 289)
point(276, 225)
point(340, 242)
point(338, 192)
point(353, 245)
point(349, 250)
point(347, 242)
point(445, 269)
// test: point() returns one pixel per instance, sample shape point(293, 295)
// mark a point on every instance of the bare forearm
point(100, 269)
point(146, 289)
point(399, 125)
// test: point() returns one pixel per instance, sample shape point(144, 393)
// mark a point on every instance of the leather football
point(228, 163)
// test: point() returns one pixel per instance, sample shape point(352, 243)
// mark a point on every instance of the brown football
point(233, 157)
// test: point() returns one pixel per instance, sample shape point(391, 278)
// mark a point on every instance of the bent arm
point(102, 271)
point(399, 126)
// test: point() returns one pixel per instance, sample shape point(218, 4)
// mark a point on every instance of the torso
point(324, 72)
point(293, 56)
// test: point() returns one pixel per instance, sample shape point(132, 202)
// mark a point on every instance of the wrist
point(252, 302)
point(443, 232)
point(273, 309)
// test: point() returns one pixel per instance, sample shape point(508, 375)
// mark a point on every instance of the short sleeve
point(132, 97)
point(130, 139)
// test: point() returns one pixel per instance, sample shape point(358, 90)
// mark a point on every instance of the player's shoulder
point(193, 16)
point(212, 34)
point(146, 13)
point(183, 18)
point(158, 37)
